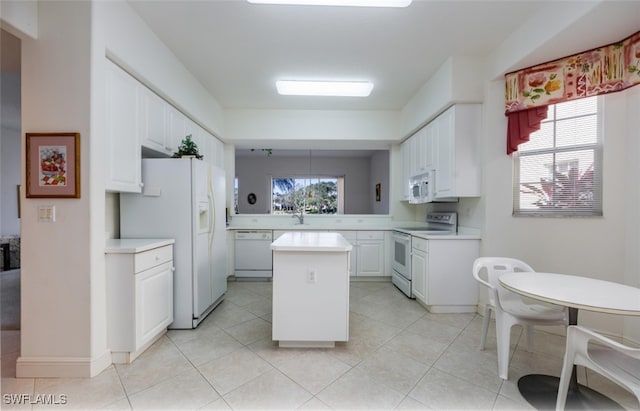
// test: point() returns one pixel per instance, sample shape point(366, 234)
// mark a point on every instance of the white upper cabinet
point(457, 145)
point(177, 128)
point(417, 156)
point(449, 144)
point(137, 117)
point(154, 119)
point(123, 158)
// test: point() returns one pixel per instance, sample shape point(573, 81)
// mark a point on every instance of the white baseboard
point(62, 367)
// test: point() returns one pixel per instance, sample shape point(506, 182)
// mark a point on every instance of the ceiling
point(238, 50)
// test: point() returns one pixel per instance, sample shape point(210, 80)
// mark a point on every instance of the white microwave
point(421, 188)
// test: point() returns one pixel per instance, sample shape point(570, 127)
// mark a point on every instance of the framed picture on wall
point(53, 165)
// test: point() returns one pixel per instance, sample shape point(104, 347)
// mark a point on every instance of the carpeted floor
point(10, 300)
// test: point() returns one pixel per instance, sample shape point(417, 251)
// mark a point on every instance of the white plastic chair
point(510, 309)
point(611, 359)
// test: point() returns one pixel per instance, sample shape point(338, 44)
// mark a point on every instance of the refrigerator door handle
point(212, 208)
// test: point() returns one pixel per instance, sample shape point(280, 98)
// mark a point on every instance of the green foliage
point(188, 147)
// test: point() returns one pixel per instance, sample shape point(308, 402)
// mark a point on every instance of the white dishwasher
point(253, 254)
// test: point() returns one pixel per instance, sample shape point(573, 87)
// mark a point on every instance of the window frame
point(339, 189)
point(598, 150)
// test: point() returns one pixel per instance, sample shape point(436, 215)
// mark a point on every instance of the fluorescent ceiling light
point(360, 3)
point(324, 88)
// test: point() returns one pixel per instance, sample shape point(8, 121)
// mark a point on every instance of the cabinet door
point(154, 301)
point(430, 132)
point(370, 258)
point(177, 128)
point(405, 151)
point(419, 275)
point(445, 152)
point(414, 159)
point(153, 120)
point(423, 152)
point(123, 162)
point(217, 152)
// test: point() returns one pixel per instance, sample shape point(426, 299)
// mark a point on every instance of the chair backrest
point(495, 267)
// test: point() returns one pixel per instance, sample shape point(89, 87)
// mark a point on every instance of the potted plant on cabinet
point(188, 148)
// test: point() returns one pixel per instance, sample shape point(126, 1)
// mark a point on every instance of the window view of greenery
point(559, 170)
point(317, 195)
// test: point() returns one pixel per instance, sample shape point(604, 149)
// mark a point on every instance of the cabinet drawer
point(419, 244)
point(370, 235)
point(152, 258)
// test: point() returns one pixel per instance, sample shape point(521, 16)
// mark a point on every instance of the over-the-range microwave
point(422, 189)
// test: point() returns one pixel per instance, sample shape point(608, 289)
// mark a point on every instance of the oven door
point(401, 258)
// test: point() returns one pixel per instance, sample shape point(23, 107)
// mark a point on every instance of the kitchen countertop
point(135, 245)
point(462, 234)
point(311, 241)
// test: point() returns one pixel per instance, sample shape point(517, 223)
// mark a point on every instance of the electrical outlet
point(311, 276)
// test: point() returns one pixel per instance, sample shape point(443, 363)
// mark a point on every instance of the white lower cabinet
point(441, 274)
point(419, 264)
point(367, 255)
point(370, 254)
point(139, 295)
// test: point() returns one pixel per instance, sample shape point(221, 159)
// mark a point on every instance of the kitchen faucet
point(299, 216)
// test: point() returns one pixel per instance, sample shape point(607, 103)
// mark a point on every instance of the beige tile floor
point(399, 356)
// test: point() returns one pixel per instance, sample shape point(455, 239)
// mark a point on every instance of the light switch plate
point(47, 213)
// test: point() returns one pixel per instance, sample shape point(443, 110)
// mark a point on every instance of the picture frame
point(378, 192)
point(53, 165)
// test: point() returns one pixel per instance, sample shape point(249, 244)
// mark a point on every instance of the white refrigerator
point(184, 199)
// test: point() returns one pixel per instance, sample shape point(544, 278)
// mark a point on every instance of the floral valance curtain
point(602, 70)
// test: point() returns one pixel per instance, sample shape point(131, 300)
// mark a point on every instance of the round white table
point(576, 293)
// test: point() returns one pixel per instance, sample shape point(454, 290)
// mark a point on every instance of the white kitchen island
point(310, 289)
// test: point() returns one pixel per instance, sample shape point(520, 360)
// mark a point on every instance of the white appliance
point(184, 199)
point(422, 188)
point(401, 262)
point(438, 223)
point(253, 255)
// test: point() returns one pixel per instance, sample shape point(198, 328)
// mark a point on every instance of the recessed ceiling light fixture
point(352, 3)
point(324, 88)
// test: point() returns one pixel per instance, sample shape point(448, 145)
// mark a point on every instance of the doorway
point(10, 180)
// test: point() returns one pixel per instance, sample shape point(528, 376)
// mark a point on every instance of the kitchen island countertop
point(311, 241)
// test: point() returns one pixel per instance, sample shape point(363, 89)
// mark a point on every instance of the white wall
point(632, 232)
point(591, 247)
point(10, 154)
point(57, 336)
point(254, 176)
point(379, 174)
point(312, 128)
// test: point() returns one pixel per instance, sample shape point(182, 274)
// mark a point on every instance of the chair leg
point(503, 337)
point(528, 329)
point(485, 326)
point(565, 378)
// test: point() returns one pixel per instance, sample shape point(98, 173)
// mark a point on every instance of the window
point(313, 195)
point(558, 172)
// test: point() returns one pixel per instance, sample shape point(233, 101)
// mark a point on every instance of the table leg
point(541, 391)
